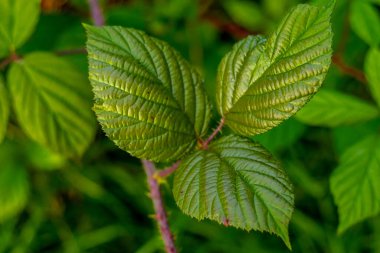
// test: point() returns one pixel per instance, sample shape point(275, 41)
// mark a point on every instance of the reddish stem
point(168, 171)
point(96, 12)
point(212, 136)
point(158, 205)
point(348, 70)
point(71, 51)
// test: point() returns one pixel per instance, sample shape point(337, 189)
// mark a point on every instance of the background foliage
point(66, 188)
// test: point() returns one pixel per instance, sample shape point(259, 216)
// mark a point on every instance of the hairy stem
point(215, 133)
point(158, 205)
point(96, 12)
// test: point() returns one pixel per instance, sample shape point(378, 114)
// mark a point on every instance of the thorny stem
point(158, 205)
point(167, 171)
point(212, 136)
point(96, 12)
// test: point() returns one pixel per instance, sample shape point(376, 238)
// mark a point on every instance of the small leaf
point(53, 107)
point(148, 99)
point(245, 13)
point(365, 21)
point(354, 184)
point(18, 19)
point(4, 109)
point(236, 182)
point(261, 83)
point(372, 67)
point(332, 108)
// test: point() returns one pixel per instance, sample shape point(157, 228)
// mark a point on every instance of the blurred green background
point(98, 203)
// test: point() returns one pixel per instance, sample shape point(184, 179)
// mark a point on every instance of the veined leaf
point(53, 107)
point(4, 109)
point(332, 108)
point(148, 99)
point(372, 67)
point(354, 183)
point(236, 182)
point(261, 83)
point(17, 21)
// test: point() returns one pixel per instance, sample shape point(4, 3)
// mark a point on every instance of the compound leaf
point(53, 107)
point(262, 82)
point(236, 182)
point(371, 67)
point(17, 21)
point(354, 184)
point(332, 108)
point(4, 109)
point(148, 99)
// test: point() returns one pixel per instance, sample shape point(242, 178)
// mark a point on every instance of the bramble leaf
point(332, 108)
point(236, 182)
point(17, 21)
point(262, 82)
point(4, 109)
point(372, 67)
point(354, 184)
point(53, 107)
point(148, 99)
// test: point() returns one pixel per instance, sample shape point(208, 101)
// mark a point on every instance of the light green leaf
point(332, 108)
point(245, 13)
point(365, 21)
point(148, 99)
point(52, 102)
point(236, 182)
point(18, 19)
point(4, 109)
point(354, 184)
point(261, 83)
point(372, 72)
point(14, 190)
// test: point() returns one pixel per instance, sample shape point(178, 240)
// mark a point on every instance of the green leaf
point(331, 108)
point(18, 19)
point(261, 83)
point(148, 99)
point(365, 21)
point(4, 109)
point(236, 182)
point(371, 68)
point(245, 13)
point(354, 184)
point(53, 107)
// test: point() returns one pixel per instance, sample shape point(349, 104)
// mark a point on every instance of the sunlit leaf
point(262, 82)
point(354, 183)
point(52, 102)
point(236, 182)
point(148, 99)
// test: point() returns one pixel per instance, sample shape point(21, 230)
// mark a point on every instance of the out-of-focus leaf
point(282, 136)
point(262, 83)
point(236, 182)
point(365, 21)
point(42, 158)
point(245, 13)
point(354, 183)
point(17, 21)
point(4, 109)
point(52, 102)
point(148, 99)
point(332, 108)
point(372, 72)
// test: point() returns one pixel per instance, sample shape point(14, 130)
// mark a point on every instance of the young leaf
point(17, 21)
point(332, 108)
point(53, 107)
point(365, 21)
point(236, 182)
point(4, 109)
point(372, 67)
point(354, 184)
point(148, 99)
point(261, 83)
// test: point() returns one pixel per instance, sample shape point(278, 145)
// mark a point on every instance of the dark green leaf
point(261, 83)
point(17, 21)
point(236, 182)
point(372, 72)
point(53, 107)
point(4, 109)
point(354, 183)
point(149, 100)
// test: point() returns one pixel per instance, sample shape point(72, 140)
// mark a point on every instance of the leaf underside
point(4, 109)
point(236, 182)
point(53, 108)
point(354, 184)
point(148, 99)
point(262, 82)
